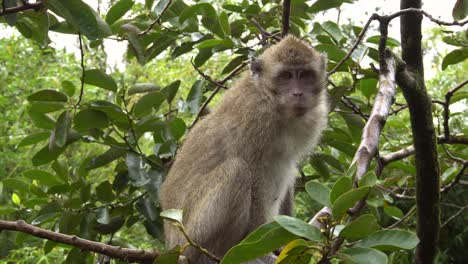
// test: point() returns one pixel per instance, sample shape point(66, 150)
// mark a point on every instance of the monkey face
point(296, 88)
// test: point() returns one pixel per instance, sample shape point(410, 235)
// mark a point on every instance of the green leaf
point(449, 174)
point(390, 240)
point(113, 111)
point(333, 52)
point(46, 107)
point(107, 157)
point(48, 154)
point(348, 199)
point(160, 6)
point(89, 118)
point(460, 10)
point(321, 5)
point(263, 240)
point(171, 90)
point(177, 127)
point(34, 138)
point(42, 177)
point(104, 192)
point(136, 172)
point(149, 3)
point(48, 95)
point(62, 128)
point(118, 10)
point(368, 87)
point(209, 43)
point(318, 192)
point(202, 57)
point(333, 30)
point(10, 18)
point(16, 185)
point(194, 96)
point(391, 42)
point(100, 79)
point(224, 22)
point(81, 16)
point(147, 207)
point(143, 88)
point(361, 227)
point(169, 256)
point(209, 17)
point(319, 165)
point(115, 223)
point(15, 199)
point(137, 46)
point(454, 57)
point(368, 179)
point(364, 255)
point(68, 87)
point(234, 63)
point(147, 103)
point(172, 215)
point(393, 211)
point(233, 8)
point(342, 185)
point(298, 227)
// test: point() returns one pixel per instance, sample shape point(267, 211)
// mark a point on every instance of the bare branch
point(406, 216)
point(286, 13)
point(423, 132)
point(455, 215)
point(448, 97)
point(355, 45)
point(125, 254)
point(26, 6)
point(435, 20)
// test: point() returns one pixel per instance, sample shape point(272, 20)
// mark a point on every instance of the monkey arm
point(287, 205)
point(218, 214)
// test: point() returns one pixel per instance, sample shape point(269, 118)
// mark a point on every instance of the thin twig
point(195, 245)
point(355, 45)
point(157, 21)
point(455, 215)
point(435, 20)
point(406, 216)
point(219, 85)
point(446, 104)
point(83, 71)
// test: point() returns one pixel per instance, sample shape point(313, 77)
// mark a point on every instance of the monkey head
point(292, 73)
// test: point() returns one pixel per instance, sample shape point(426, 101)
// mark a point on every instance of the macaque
point(236, 169)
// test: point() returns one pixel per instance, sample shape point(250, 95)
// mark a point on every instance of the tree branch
point(26, 6)
point(419, 103)
point(286, 13)
point(125, 254)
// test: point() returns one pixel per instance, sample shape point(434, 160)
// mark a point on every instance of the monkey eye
point(306, 74)
point(285, 75)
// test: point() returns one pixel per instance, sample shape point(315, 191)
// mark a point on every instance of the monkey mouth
point(299, 110)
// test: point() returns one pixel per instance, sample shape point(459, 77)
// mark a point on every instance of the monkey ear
point(256, 66)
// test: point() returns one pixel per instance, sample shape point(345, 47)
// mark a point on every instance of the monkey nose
point(297, 94)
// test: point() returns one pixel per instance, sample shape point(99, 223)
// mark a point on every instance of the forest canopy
point(87, 137)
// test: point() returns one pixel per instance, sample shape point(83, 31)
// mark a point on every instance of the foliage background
point(110, 196)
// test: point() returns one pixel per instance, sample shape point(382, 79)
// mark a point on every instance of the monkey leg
point(219, 213)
